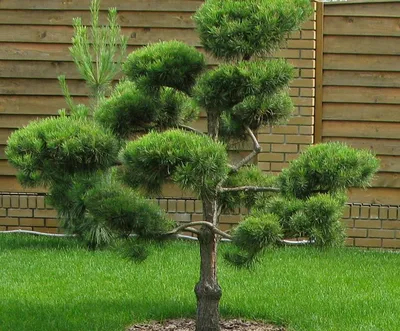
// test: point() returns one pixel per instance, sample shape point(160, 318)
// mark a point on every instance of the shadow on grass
point(98, 315)
point(14, 241)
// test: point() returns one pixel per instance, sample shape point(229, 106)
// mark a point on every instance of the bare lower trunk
point(208, 292)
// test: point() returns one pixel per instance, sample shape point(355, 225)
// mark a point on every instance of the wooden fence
point(348, 75)
point(358, 86)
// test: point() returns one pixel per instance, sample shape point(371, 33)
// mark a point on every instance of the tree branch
point(190, 129)
point(256, 150)
point(249, 188)
point(188, 227)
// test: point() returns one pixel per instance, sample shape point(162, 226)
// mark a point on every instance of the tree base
point(185, 324)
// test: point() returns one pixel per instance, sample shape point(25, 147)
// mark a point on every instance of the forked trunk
point(208, 292)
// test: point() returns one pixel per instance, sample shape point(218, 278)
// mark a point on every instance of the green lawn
point(54, 284)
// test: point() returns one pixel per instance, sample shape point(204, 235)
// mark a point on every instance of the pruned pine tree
point(100, 169)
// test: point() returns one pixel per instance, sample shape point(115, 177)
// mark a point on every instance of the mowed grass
point(56, 284)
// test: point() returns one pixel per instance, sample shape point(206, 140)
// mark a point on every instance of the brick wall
point(375, 226)
point(283, 143)
point(372, 225)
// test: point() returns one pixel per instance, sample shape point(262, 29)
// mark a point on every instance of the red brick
point(307, 73)
point(356, 233)
point(190, 206)
point(52, 222)
point(197, 218)
point(306, 130)
point(391, 224)
point(355, 211)
point(346, 212)
point(31, 202)
point(300, 139)
point(9, 221)
point(180, 206)
point(271, 138)
point(383, 212)
point(45, 213)
point(391, 243)
point(14, 201)
point(264, 166)
point(349, 242)
point(31, 221)
point(6, 201)
point(270, 157)
point(381, 233)
point(285, 129)
point(198, 206)
point(40, 202)
point(393, 213)
point(368, 242)
point(20, 212)
point(368, 224)
point(23, 202)
point(349, 223)
point(285, 148)
point(364, 212)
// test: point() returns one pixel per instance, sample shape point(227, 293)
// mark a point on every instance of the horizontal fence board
point(361, 62)
point(38, 69)
point(362, 45)
point(361, 112)
point(34, 105)
point(388, 180)
point(390, 163)
point(148, 5)
point(362, 78)
point(64, 34)
point(11, 184)
point(361, 129)
point(7, 169)
point(141, 19)
point(55, 52)
point(17, 121)
point(4, 134)
point(385, 196)
point(23, 86)
point(3, 152)
point(390, 9)
point(379, 146)
point(362, 26)
point(361, 95)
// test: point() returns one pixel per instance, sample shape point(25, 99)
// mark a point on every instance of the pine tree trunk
point(208, 292)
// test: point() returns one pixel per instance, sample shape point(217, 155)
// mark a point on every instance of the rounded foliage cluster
point(48, 149)
point(252, 236)
point(171, 64)
point(193, 161)
point(99, 208)
point(318, 217)
point(235, 29)
point(246, 94)
point(329, 167)
point(131, 109)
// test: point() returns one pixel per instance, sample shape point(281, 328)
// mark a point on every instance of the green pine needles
point(101, 170)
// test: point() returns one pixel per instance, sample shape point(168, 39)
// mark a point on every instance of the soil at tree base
point(183, 324)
